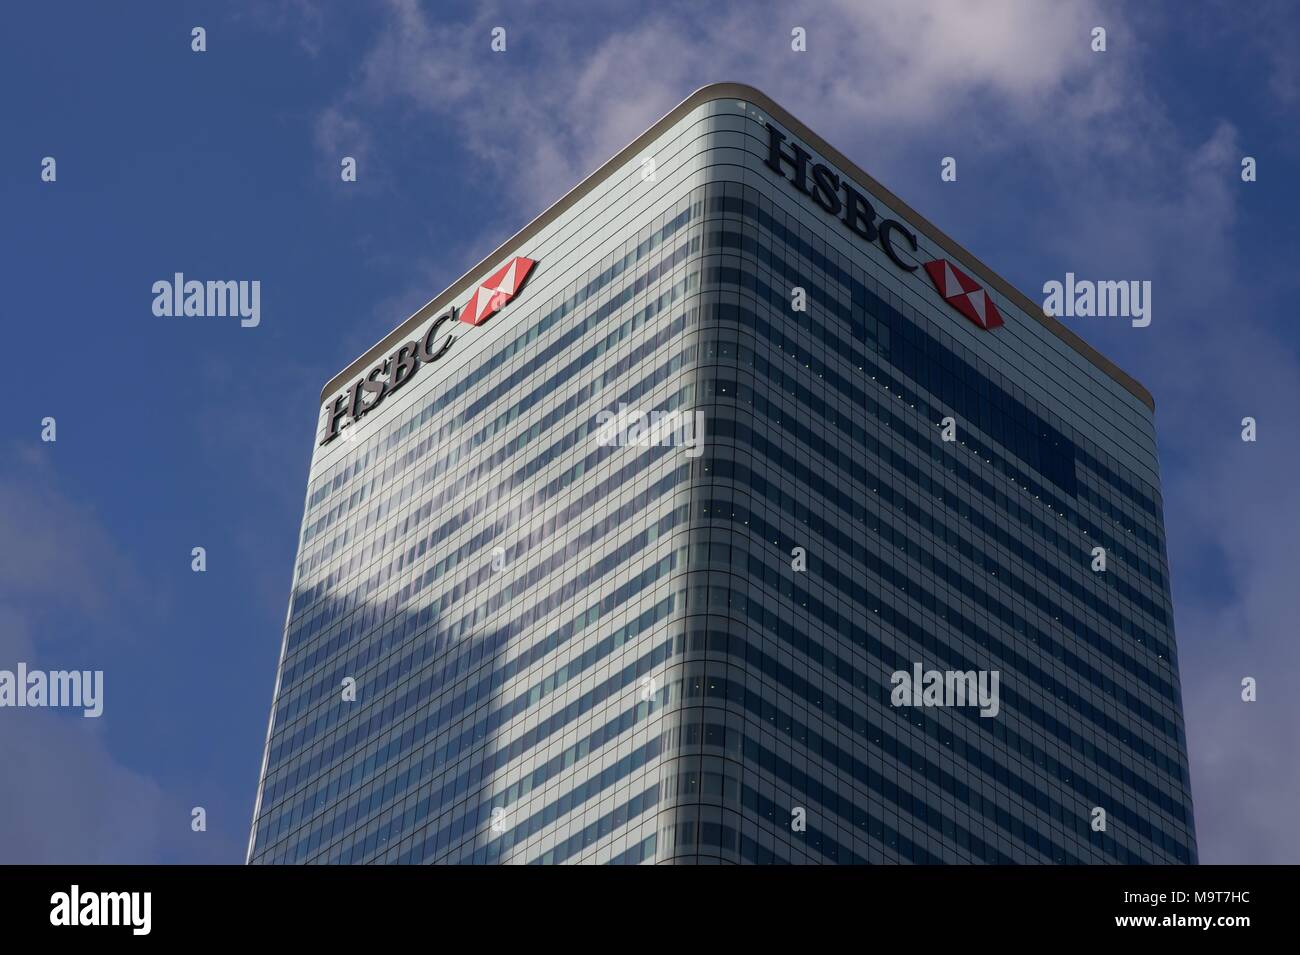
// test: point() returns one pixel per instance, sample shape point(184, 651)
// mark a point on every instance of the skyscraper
point(729, 512)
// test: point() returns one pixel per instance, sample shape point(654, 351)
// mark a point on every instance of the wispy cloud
point(64, 585)
point(565, 97)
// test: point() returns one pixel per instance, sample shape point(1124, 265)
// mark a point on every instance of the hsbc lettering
point(388, 376)
point(956, 288)
point(854, 209)
point(400, 367)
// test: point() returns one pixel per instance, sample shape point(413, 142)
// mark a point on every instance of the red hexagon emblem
point(499, 288)
point(964, 294)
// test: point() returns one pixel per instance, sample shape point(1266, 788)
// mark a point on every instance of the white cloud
point(543, 128)
point(54, 551)
point(64, 795)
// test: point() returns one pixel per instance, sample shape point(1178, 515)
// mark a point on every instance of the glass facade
point(571, 650)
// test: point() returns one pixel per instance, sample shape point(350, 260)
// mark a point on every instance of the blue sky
point(225, 164)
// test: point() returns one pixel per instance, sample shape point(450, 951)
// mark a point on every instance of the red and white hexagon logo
point(964, 294)
point(499, 288)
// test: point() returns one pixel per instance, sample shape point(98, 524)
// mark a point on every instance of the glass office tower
point(615, 552)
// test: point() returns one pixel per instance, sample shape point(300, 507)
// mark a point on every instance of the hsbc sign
point(400, 367)
point(840, 198)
